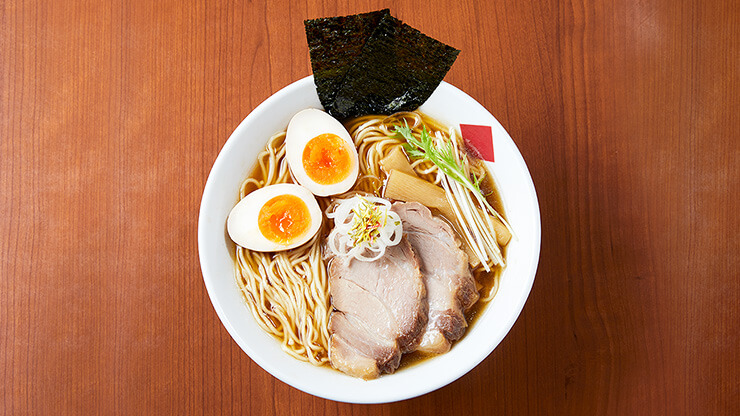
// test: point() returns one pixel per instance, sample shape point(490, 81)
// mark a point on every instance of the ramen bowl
point(448, 105)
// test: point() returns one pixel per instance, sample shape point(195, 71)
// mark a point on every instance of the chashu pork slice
point(380, 311)
point(451, 288)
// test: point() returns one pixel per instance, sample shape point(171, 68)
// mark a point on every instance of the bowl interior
point(449, 105)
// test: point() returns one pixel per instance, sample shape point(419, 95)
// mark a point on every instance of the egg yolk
point(283, 219)
point(326, 159)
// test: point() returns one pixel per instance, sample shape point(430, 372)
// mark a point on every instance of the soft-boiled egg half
point(321, 153)
point(274, 218)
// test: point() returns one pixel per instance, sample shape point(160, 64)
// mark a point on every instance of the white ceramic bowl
point(449, 105)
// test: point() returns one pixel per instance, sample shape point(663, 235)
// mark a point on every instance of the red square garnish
point(479, 138)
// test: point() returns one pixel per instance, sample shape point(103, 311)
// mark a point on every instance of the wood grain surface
point(626, 111)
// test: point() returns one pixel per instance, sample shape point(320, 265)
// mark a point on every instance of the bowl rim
point(211, 188)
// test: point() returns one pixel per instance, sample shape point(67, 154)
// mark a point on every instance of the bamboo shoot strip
point(396, 159)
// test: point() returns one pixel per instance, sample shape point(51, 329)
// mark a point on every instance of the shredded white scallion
point(477, 228)
point(364, 226)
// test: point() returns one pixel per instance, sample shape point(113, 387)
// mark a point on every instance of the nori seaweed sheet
point(396, 69)
point(333, 44)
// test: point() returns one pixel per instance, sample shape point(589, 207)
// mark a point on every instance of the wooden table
point(627, 113)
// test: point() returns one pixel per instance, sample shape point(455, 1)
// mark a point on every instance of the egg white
point(303, 127)
point(243, 225)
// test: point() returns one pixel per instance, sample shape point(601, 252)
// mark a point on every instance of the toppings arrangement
point(386, 277)
point(363, 227)
point(373, 63)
